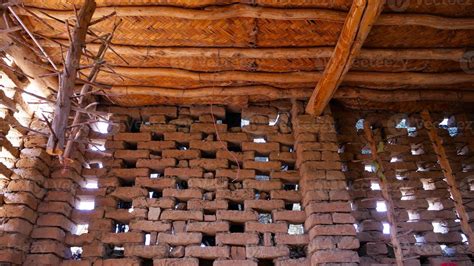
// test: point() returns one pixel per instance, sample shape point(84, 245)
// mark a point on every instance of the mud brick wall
point(428, 226)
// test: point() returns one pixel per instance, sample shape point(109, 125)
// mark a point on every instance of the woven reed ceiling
point(186, 51)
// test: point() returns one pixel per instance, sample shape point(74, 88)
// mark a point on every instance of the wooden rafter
point(384, 186)
point(359, 22)
point(450, 177)
point(56, 141)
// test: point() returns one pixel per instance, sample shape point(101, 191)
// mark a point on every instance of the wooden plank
point(68, 77)
point(361, 17)
point(450, 178)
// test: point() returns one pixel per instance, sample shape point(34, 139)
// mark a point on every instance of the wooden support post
point(450, 178)
point(67, 79)
point(380, 172)
point(357, 26)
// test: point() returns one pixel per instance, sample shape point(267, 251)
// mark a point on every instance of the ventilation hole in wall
point(96, 146)
point(413, 215)
point(296, 207)
point(92, 184)
point(135, 126)
point(131, 145)
point(259, 140)
point(359, 124)
point(183, 147)
point(180, 205)
point(244, 122)
point(121, 228)
point(236, 228)
point(407, 194)
point(261, 159)
point(464, 150)
point(448, 251)
point(182, 184)
point(386, 228)
point(395, 159)
point(235, 147)
point(117, 252)
point(370, 168)
point(381, 206)
point(146, 262)
point(356, 226)
point(273, 121)
point(155, 175)
point(76, 253)
point(464, 238)
point(434, 204)
point(262, 177)
point(290, 186)
point(81, 229)
point(208, 241)
point(152, 194)
point(428, 184)
point(295, 229)
point(366, 151)
point(419, 239)
point(267, 262)
point(440, 227)
point(86, 204)
point(400, 176)
point(297, 252)
point(147, 239)
point(203, 262)
point(265, 218)
point(233, 119)
point(130, 164)
point(374, 185)
point(417, 149)
point(124, 204)
point(262, 195)
point(288, 206)
point(471, 185)
point(234, 206)
point(127, 183)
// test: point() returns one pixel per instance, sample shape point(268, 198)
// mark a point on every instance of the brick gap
point(203, 262)
point(76, 253)
point(235, 147)
point(146, 262)
point(265, 262)
point(135, 125)
point(127, 183)
point(180, 205)
point(121, 227)
point(117, 252)
point(130, 164)
point(236, 228)
point(265, 217)
point(182, 184)
point(131, 145)
point(183, 146)
point(262, 195)
point(290, 186)
point(297, 252)
point(124, 204)
point(208, 241)
point(154, 194)
point(235, 206)
point(157, 137)
point(233, 119)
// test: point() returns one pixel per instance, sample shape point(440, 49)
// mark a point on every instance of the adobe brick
point(236, 216)
point(208, 205)
point(115, 144)
point(232, 174)
point(23, 185)
point(21, 198)
point(169, 111)
point(238, 195)
point(158, 128)
point(217, 111)
point(131, 155)
point(121, 238)
point(264, 205)
point(62, 196)
point(183, 194)
point(182, 154)
point(95, 249)
point(128, 193)
point(291, 176)
point(179, 239)
point(182, 137)
point(339, 195)
point(54, 233)
point(163, 202)
point(28, 173)
point(267, 252)
point(122, 262)
point(208, 228)
point(314, 195)
point(33, 163)
point(156, 145)
point(208, 146)
point(237, 239)
point(232, 155)
point(286, 239)
point(79, 240)
point(104, 225)
point(207, 252)
point(129, 174)
point(262, 166)
point(277, 227)
point(337, 256)
point(56, 220)
point(157, 119)
point(321, 242)
point(42, 259)
point(12, 256)
point(208, 184)
point(48, 246)
point(209, 218)
point(142, 251)
point(133, 137)
point(209, 164)
point(292, 196)
point(328, 207)
point(282, 156)
point(17, 225)
point(55, 207)
point(343, 218)
point(120, 215)
point(348, 242)
point(183, 121)
point(234, 262)
point(208, 128)
point(261, 148)
point(293, 217)
point(322, 185)
point(286, 139)
point(155, 183)
point(176, 262)
point(183, 173)
point(332, 230)
point(316, 219)
point(236, 138)
point(150, 226)
point(178, 215)
point(156, 164)
point(18, 211)
point(16, 241)
point(262, 185)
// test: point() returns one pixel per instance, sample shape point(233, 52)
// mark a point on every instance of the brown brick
point(262, 185)
point(150, 226)
point(209, 164)
point(286, 195)
point(156, 164)
point(237, 239)
point(133, 137)
point(236, 138)
point(236, 216)
point(48, 246)
point(238, 195)
point(177, 215)
point(129, 193)
point(183, 173)
point(21, 198)
point(176, 262)
point(42, 259)
point(235, 174)
point(264, 205)
point(268, 252)
point(207, 252)
point(12, 211)
point(183, 194)
point(217, 111)
point(182, 137)
point(131, 155)
point(328, 207)
point(208, 184)
point(158, 129)
point(182, 154)
point(169, 111)
point(179, 239)
point(333, 256)
point(291, 176)
point(263, 166)
point(156, 145)
point(149, 252)
point(261, 148)
point(121, 238)
point(208, 128)
point(129, 174)
point(56, 220)
point(317, 218)
point(234, 263)
point(277, 227)
point(294, 217)
point(208, 228)
point(197, 204)
point(297, 240)
point(155, 183)
point(48, 233)
point(122, 262)
point(208, 146)
point(332, 230)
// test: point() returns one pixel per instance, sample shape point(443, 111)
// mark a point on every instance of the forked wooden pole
point(450, 177)
point(380, 172)
point(68, 77)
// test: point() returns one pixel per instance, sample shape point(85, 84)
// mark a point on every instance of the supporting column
point(450, 178)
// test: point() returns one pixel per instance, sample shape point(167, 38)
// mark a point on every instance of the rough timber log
point(67, 83)
point(359, 22)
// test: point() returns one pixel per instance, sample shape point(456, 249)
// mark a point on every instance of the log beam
point(67, 79)
point(450, 178)
point(359, 21)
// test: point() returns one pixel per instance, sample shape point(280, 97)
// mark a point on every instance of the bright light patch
point(464, 238)
point(296, 207)
point(273, 122)
point(440, 227)
point(244, 122)
point(92, 184)
point(259, 140)
point(154, 175)
point(86, 205)
point(82, 229)
point(444, 122)
point(103, 127)
point(381, 206)
point(374, 185)
point(369, 168)
point(97, 147)
point(413, 216)
point(8, 60)
point(386, 228)
point(295, 229)
point(147, 239)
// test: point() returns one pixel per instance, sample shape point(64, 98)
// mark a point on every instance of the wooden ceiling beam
point(359, 22)
point(247, 11)
point(56, 141)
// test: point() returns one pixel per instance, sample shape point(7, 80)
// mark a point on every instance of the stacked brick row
point(329, 221)
point(189, 185)
point(425, 214)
